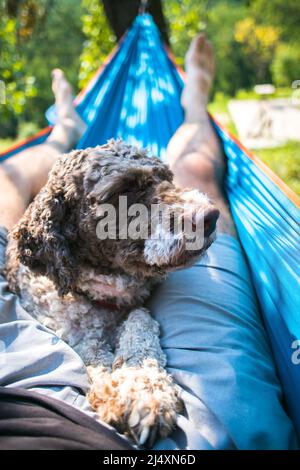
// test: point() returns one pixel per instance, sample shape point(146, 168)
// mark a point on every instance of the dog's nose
point(203, 220)
point(210, 221)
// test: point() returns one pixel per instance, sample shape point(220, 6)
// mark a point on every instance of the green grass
point(6, 143)
point(285, 162)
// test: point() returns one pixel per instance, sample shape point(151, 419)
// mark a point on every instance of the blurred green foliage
point(255, 41)
point(57, 44)
point(284, 14)
point(19, 85)
point(99, 39)
point(29, 50)
point(285, 66)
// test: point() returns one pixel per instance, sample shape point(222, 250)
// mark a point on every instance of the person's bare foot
point(200, 71)
point(66, 113)
point(62, 90)
point(196, 141)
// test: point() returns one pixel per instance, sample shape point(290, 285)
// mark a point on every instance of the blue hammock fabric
point(137, 98)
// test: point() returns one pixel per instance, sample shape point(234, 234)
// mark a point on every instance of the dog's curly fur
point(91, 292)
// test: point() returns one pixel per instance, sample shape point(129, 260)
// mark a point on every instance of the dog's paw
point(140, 401)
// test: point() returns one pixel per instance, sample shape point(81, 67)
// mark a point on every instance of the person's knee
point(194, 170)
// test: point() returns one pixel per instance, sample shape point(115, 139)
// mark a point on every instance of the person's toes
point(60, 84)
point(194, 53)
point(198, 43)
point(209, 57)
point(57, 75)
point(62, 91)
point(200, 70)
point(200, 58)
point(67, 116)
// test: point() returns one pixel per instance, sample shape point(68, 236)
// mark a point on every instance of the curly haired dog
point(91, 291)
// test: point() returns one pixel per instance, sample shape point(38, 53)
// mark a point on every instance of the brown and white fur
point(91, 292)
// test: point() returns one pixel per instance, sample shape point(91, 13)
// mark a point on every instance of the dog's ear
point(117, 168)
point(43, 233)
point(133, 179)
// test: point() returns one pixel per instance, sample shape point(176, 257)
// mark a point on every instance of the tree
point(57, 44)
point(19, 86)
point(218, 20)
point(259, 43)
point(253, 39)
point(286, 65)
point(185, 20)
point(285, 14)
point(99, 39)
point(36, 36)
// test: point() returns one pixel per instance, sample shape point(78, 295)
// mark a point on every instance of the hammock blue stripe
point(139, 90)
point(268, 226)
point(137, 98)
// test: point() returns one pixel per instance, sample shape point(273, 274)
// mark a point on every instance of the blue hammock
point(136, 96)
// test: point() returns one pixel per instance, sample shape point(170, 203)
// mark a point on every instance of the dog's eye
point(92, 200)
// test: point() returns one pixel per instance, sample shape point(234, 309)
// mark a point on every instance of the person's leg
point(194, 153)
point(211, 330)
point(22, 176)
point(31, 356)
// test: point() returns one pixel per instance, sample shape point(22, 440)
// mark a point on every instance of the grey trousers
point(216, 346)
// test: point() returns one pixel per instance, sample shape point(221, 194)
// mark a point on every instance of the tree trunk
point(121, 13)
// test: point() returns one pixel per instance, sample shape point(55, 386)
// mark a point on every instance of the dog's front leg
point(142, 399)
